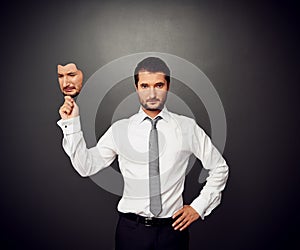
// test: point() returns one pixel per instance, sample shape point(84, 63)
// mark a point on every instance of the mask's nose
point(65, 81)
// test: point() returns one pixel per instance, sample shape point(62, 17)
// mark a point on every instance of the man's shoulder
point(188, 125)
point(182, 118)
point(120, 122)
point(125, 121)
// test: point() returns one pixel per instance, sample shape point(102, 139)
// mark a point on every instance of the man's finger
point(69, 98)
point(66, 110)
point(186, 225)
point(181, 224)
point(179, 212)
point(179, 220)
point(69, 104)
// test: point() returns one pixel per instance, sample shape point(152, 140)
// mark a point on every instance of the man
point(70, 79)
point(153, 148)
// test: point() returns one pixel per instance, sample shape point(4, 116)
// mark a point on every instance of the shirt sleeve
point(86, 161)
point(204, 150)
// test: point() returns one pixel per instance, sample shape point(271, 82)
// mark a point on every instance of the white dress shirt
point(178, 137)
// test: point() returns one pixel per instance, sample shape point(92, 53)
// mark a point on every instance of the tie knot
point(154, 121)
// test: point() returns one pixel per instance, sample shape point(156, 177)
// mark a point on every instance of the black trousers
point(131, 235)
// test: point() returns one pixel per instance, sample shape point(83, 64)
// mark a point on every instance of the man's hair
point(153, 65)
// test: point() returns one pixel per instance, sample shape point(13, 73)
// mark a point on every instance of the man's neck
point(152, 113)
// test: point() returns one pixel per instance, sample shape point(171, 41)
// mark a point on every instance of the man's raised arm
point(86, 161)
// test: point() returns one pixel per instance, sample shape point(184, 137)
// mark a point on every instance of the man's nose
point(152, 93)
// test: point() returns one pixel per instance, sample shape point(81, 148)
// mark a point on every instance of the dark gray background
point(249, 50)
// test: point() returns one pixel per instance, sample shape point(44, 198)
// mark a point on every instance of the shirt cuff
point(70, 126)
point(200, 206)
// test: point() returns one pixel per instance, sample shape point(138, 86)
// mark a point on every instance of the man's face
point(152, 89)
point(70, 79)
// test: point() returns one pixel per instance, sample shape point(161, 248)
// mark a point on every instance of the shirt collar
point(164, 114)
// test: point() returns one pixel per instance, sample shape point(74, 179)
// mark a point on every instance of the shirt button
point(66, 126)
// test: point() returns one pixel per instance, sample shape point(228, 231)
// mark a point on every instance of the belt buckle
point(148, 221)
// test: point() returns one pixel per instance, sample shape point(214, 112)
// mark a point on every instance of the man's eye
point(143, 86)
point(160, 85)
point(72, 74)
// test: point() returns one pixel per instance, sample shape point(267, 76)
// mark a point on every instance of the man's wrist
point(199, 208)
point(70, 126)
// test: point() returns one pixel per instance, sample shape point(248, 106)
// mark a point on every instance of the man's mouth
point(152, 101)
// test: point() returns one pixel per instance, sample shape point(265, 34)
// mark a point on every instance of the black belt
point(147, 221)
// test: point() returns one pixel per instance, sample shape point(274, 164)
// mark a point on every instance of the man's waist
point(147, 221)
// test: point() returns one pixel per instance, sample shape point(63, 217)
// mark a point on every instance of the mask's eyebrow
point(68, 73)
point(72, 73)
